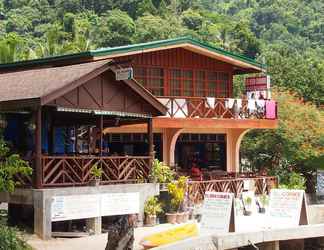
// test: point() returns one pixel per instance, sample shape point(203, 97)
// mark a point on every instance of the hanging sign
point(287, 208)
point(217, 213)
point(124, 74)
point(257, 83)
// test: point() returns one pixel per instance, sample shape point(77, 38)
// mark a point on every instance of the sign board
point(119, 203)
point(217, 213)
point(320, 182)
point(124, 74)
point(287, 208)
point(75, 207)
point(257, 83)
point(71, 207)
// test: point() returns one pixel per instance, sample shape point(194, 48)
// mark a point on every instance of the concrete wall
point(41, 200)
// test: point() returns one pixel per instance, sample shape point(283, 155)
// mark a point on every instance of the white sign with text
point(217, 211)
point(119, 203)
point(287, 208)
point(71, 207)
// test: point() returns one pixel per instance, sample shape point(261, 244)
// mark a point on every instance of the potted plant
point(152, 207)
point(247, 206)
point(263, 202)
point(96, 172)
point(161, 173)
point(177, 191)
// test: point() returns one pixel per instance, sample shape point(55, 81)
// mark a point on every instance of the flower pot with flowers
point(152, 208)
point(177, 191)
point(96, 173)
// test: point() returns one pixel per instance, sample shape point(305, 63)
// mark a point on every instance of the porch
point(219, 108)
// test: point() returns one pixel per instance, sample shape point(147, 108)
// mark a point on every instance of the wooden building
point(179, 107)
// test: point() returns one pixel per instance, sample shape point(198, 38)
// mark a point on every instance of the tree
point(115, 28)
point(10, 165)
point(145, 6)
point(297, 142)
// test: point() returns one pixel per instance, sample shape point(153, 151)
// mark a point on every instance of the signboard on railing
point(71, 207)
point(217, 213)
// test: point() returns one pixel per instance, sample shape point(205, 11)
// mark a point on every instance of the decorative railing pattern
point(203, 107)
point(76, 170)
point(197, 189)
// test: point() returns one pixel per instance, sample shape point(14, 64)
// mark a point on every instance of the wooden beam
point(38, 148)
point(150, 137)
point(101, 134)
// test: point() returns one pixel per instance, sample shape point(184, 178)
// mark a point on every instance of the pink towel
point(271, 110)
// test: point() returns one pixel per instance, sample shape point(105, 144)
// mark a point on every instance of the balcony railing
point(262, 185)
point(76, 170)
point(222, 108)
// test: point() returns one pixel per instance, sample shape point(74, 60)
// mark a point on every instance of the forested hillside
point(287, 35)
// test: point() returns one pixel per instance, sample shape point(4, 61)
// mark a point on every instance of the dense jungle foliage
point(287, 35)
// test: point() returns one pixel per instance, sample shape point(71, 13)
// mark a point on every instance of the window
point(151, 78)
point(175, 82)
point(184, 82)
point(200, 83)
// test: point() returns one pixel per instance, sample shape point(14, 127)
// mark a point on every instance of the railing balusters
point(116, 169)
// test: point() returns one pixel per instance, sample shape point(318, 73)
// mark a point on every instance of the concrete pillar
point(170, 137)
point(274, 245)
point(233, 142)
point(42, 215)
point(94, 225)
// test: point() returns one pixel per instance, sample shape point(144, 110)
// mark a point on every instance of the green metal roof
point(131, 48)
point(175, 41)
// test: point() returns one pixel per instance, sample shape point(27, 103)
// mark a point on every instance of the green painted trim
point(86, 54)
point(176, 41)
point(132, 48)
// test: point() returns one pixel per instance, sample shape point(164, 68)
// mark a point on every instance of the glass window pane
point(176, 73)
point(212, 76)
point(187, 74)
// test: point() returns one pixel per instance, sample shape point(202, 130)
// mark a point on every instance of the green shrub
point(177, 191)
point(161, 173)
point(10, 240)
point(294, 181)
point(152, 206)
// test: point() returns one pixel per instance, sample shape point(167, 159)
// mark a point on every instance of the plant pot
point(150, 220)
point(262, 210)
point(247, 213)
point(94, 182)
point(171, 218)
point(180, 217)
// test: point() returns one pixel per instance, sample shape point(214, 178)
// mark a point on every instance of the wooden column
point(150, 137)
point(38, 148)
point(101, 134)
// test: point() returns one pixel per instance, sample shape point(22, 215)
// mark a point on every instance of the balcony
point(219, 108)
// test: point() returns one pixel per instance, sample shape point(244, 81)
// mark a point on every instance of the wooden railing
point(203, 107)
point(197, 189)
point(76, 170)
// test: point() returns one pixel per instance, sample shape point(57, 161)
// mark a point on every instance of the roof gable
point(42, 86)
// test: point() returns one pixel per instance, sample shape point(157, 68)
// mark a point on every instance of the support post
point(150, 139)
point(94, 225)
point(101, 134)
point(38, 148)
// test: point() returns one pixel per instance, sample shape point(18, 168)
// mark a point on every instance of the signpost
point(287, 208)
point(217, 213)
point(71, 207)
point(124, 74)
